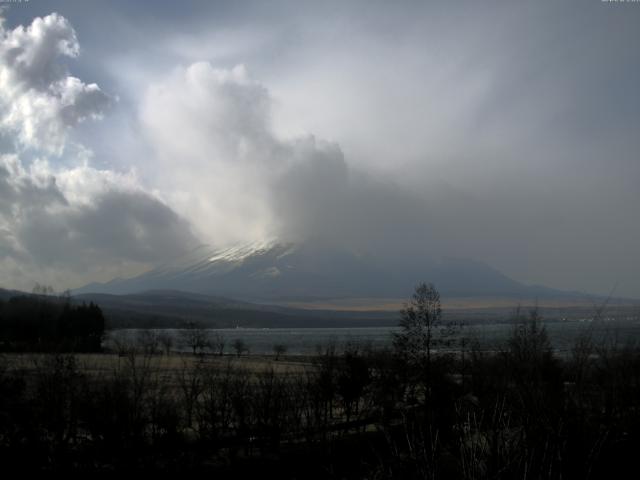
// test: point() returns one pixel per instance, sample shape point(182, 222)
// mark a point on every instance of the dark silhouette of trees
point(531, 363)
point(218, 343)
point(44, 323)
point(422, 332)
point(81, 327)
point(341, 414)
point(522, 411)
point(239, 346)
point(418, 321)
point(279, 349)
point(166, 340)
point(352, 379)
point(195, 337)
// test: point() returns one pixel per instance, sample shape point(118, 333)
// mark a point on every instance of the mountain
point(171, 309)
point(281, 272)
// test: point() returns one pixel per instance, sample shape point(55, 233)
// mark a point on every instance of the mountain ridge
point(283, 271)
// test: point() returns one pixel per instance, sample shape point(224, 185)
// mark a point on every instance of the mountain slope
point(171, 309)
point(272, 272)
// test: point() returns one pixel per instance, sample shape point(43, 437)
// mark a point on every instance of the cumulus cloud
point(39, 100)
point(215, 126)
point(216, 115)
point(238, 180)
point(210, 128)
point(65, 223)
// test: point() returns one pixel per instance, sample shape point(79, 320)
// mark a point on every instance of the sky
point(506, 132)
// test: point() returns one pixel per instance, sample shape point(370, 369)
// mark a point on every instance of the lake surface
point(305, 341)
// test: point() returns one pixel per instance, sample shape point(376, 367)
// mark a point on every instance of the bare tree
point(147, 341)
point(418, 321)
point(120, 342)
point(279, 349)
point(195, 337)
point(166, 340)
point(43, 290)
point(218, 343)
point(239, 346)
point(190, 379)
point(529, 342)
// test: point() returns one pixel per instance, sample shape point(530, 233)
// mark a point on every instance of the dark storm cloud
point(85, 227)
point(129, 226)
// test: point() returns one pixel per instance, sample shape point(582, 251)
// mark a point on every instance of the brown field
point(458, 303)
point(105, 363)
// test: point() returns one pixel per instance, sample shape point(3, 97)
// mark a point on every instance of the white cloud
point(221, 165)
point(39, 100)
point(67, 223)
point(215, 153)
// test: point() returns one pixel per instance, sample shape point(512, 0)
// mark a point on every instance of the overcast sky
point(506, 132)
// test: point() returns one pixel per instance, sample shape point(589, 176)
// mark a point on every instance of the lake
point(305, 341)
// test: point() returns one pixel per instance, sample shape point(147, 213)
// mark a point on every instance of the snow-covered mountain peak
point(240, 252)
point(271, 270)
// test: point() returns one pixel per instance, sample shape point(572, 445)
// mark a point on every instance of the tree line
point(44, 322)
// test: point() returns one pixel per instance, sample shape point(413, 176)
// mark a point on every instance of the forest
point(42, 322)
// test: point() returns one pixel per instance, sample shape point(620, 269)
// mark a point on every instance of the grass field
point(104, 363)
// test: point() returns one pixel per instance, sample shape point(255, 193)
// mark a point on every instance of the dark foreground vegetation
point(42, 322)
point(410, 412)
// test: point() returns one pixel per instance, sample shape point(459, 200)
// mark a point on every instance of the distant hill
point(284, 272)
point(7, 294)
point(175, 309)
point(170, 309)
